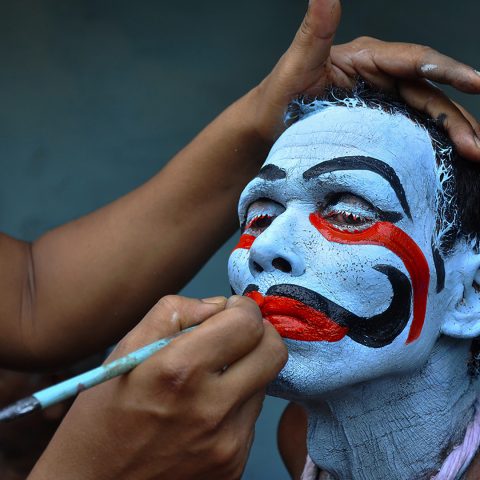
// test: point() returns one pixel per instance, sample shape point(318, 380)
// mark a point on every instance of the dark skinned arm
point(81, 286)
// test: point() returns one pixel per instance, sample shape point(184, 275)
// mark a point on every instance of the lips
point(293, 319)
point(303, 314)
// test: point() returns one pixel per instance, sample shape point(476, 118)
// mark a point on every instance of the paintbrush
point(69, 388)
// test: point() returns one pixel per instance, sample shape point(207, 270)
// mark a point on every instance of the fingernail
point(216, 300)
point(477, 72)
point(233, 300)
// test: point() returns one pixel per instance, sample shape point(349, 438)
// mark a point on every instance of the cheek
point(238, 271)
point(396, 240)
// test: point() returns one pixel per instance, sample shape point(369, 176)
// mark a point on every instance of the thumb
point(310, 48)
point(170, 315)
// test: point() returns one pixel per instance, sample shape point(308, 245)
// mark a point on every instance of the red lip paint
point(295, 320)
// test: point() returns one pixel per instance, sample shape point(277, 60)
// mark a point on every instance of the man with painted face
point(359, 244)
point(182, 404)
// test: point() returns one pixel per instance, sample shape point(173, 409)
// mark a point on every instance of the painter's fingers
point(427, 98)
point(244, 418)
point(304, 68)
point(354, 62)
point(407, 61)
point(311, 46)
point(171, 314)
point(223, 339)
point(305, 62)
point(245, 376)
point(471, 119)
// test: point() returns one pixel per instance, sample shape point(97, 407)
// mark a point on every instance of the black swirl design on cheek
point(376, 331)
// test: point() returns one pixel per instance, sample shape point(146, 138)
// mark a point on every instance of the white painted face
point(337, 248)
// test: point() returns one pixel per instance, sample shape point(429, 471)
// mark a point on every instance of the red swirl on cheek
point(387, 235)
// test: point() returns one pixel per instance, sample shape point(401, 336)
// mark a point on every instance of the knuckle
point(167, 309)
point(429, 103)
point(364, 40)
point(422, 50)
point(279, 355)
point(169, 303)
point(225, 452)
point(176, 375)
point(277, 350)
point(362, 56)
point(303, 37)
point(248, 321)
point(306, 26)
point(210, 418)
point(282, 354)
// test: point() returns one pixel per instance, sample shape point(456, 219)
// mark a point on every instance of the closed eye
point(349, 212)
point(260, 215)
point(346, 220)
point(260, 223)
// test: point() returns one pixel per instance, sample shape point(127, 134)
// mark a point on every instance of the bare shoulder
point(292, 439)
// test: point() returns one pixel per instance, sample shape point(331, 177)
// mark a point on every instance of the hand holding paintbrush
point(178, 406)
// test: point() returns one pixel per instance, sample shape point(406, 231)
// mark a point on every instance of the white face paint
point(353, 171)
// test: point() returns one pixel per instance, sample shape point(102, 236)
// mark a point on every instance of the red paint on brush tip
point(297, 321)
point(387, 235)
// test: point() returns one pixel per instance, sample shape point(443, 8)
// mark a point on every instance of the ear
point(463, 318)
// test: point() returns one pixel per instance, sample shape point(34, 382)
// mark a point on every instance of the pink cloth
point(310, 470)
point(454, 465)
point(462, 455)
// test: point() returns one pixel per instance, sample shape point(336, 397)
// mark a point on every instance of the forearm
point(94, 278)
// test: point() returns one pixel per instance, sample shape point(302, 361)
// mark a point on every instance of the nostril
point(282, 265)
point(257, 267)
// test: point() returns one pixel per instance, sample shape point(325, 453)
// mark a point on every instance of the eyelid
point(350, 202)
point(267, 209)
point(354, 182)
point(256, 190)
point(374, 212)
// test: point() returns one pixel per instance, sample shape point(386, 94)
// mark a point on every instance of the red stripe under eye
point(387, 235)
point(245, 241)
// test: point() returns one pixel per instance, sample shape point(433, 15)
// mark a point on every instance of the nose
point(268, 255)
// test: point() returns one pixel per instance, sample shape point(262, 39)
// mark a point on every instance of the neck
point(397, 427)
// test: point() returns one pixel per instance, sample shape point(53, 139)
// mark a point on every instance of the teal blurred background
point(96, 96)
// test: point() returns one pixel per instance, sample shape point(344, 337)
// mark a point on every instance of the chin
point(313, 370)
point(318, 369)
